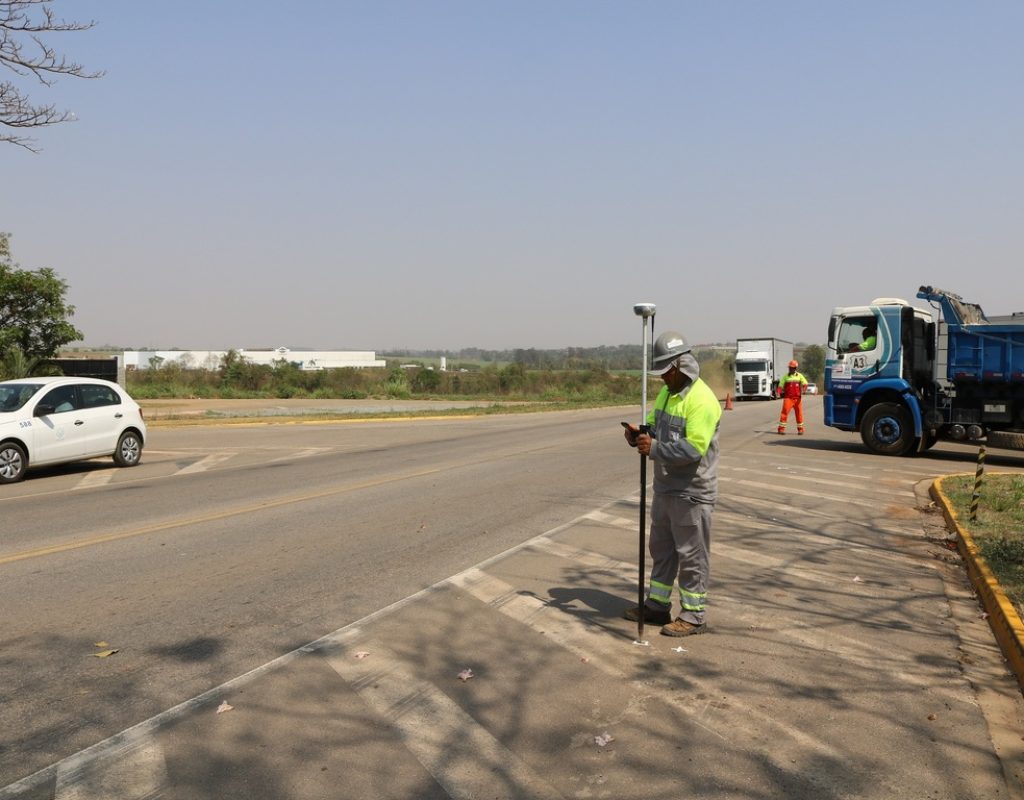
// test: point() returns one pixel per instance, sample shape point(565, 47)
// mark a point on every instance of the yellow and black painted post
point(978, 475)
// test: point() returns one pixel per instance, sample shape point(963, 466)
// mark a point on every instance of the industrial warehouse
point(212, 359)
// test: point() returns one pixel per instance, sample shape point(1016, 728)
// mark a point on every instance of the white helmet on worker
point(668, 347)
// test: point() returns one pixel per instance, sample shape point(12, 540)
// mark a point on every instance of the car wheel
point(887, 430)
point(129, 449)
point(13, 462)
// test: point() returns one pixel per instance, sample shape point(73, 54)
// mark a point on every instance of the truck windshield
point(752, 366)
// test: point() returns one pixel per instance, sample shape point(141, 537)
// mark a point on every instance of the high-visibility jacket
point(792, 385)
point(684, 452)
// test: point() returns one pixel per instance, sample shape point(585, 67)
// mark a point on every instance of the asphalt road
point(847, 658)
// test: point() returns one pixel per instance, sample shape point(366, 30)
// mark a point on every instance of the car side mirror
point(43, 409)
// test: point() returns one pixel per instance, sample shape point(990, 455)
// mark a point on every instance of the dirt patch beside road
point(167, 409)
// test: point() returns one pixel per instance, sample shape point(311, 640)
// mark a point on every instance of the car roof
point(57, 380)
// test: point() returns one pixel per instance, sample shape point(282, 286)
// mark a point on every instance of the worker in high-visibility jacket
point(791, 387)
point(681, 441)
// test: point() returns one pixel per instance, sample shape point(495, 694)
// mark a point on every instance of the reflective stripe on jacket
point(791, 385)
point(684, 452)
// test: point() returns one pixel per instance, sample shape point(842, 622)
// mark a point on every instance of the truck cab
point(878, 370)
point(754, 376)
point(758, 366)
point(905, 377)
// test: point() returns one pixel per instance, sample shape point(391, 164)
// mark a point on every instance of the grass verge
point(998, 530)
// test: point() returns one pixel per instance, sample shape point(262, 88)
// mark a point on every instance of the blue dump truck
point(907, 377)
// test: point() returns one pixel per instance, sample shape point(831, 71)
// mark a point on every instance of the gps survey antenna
point(646, 312)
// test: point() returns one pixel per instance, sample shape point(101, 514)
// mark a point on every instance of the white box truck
point(760, 363)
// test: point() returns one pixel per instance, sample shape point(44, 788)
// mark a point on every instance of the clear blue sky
point(375, 175)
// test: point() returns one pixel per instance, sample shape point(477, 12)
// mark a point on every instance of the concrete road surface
point(846, 658)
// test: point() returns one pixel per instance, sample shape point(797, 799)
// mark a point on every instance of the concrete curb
point(1002, 616)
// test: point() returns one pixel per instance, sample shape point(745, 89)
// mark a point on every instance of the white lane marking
point(206, 463)
point(759, 557)
point(93, 479)
point(612, 519)
point(872, 657)
point(792, 475)
point(777, 490)
point(728, 505)
point(135, 735)
point(791, 569)
point(309, 451)
point(795, 514)
point(453, 747)
point(136, 772)
point(130, 739)
point(592, 643)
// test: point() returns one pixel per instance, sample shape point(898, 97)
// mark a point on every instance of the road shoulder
point(979, 609)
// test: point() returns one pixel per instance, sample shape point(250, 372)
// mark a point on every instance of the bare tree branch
point(23, 51)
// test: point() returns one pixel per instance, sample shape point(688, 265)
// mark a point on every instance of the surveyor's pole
point(646, 312)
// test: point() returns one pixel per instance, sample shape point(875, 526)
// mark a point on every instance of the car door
point(102, 416)
point(58, 435)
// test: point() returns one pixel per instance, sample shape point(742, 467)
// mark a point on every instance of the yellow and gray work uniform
point(684, 453)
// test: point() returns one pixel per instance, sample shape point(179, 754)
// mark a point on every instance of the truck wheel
point(1011, 440)
point(887, 430)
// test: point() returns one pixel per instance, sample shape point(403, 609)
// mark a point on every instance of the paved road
point(846, 659)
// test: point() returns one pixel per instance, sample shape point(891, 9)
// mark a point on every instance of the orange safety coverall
point(792, 388)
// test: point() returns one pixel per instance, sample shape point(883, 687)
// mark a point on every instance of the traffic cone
point(728, 401)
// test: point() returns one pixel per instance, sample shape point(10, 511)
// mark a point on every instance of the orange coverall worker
point(791, 386)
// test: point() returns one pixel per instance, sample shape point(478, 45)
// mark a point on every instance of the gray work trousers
point(680, 550)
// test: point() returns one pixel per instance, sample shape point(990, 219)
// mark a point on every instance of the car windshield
point(14, 395)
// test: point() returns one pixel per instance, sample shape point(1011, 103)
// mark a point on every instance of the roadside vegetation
point(579, 384)
point(35, 326)
point(998, 530)
point(568, 378)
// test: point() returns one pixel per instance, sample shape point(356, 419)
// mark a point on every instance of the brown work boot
point(682, 628)
point(651, 616)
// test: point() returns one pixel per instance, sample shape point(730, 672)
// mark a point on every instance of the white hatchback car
point(46, 421)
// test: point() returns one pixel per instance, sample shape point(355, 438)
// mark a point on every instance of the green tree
point(15, 364)
point(426, 381)
point(813, 363)
point(513, 376)
point(34, 317)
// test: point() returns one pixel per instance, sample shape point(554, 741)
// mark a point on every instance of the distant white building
point(211, 359)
